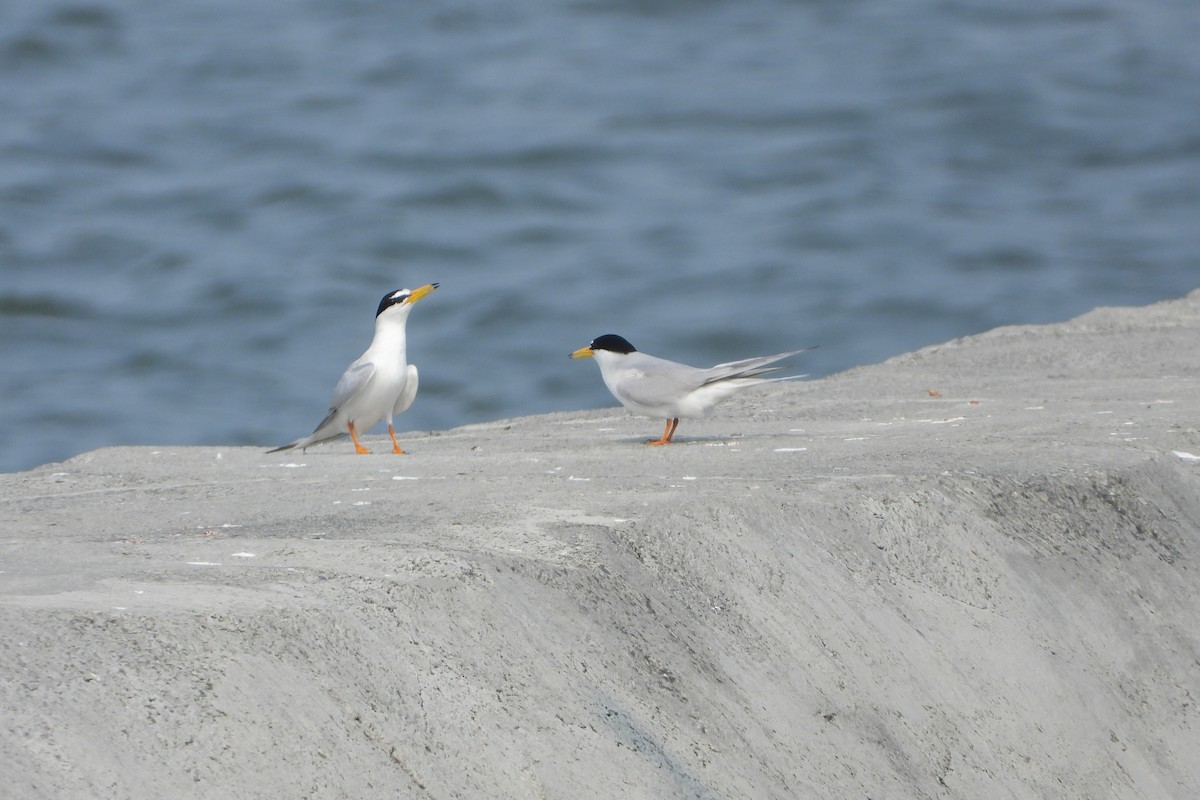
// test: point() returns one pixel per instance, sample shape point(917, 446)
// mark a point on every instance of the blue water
point(202, 201)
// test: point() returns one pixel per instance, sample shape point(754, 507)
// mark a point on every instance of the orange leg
point(395, 445)
point(358, 446)
point(668, 432)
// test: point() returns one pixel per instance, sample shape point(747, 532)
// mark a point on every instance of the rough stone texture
point(847, 587)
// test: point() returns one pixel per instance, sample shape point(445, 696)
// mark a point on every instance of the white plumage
point(655, 387)
point(379, 385)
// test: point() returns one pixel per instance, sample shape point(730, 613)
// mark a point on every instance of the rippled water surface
point(201, 201)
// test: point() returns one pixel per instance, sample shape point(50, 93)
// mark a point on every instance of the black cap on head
point(392, 298)
point(612, 343)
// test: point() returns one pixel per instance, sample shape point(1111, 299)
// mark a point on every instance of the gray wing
point(653, 381)
point(353, 381)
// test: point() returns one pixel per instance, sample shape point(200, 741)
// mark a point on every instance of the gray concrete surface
point(843, 588)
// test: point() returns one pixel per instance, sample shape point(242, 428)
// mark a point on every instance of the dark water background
point(201, 201)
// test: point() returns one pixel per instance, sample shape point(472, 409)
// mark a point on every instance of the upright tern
point(379, 384)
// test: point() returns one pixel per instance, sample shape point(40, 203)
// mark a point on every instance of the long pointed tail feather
point(751, 367)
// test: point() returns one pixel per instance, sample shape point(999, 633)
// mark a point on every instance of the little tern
point(379, 384)
point(655, 387)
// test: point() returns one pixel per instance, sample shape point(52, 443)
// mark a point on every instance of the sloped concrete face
point(967, 572)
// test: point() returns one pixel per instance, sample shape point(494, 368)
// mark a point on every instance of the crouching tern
point(377, 386)
point(655, 387)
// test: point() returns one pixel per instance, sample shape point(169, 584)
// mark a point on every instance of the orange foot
point(668, 432)
point(395, 445)
point(358, 446)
